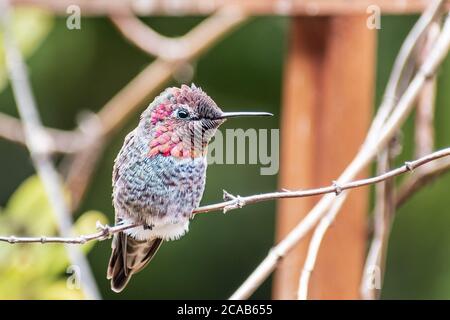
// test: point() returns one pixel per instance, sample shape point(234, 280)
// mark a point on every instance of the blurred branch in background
point(382, 216)
point(238, 202)
point(385, 205)
point(205, 7)
point(148, 40)
point(420, 180)
point(37, 143)
point(366, 154)
point(404, 65)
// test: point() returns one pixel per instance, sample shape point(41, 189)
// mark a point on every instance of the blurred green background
point(78, 70)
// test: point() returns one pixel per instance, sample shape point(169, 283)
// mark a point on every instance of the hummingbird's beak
point(226, 115)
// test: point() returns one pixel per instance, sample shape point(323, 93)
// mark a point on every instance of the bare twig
point(362, 159)
point(37, 143)
point(239, 202)
point(422, 178)
point(105, 232)
point(148, 40)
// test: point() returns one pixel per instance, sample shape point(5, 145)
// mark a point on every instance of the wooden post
point(328, 102)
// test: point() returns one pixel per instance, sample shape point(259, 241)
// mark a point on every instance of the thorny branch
point(424, 126)
point(60, 141)
point(236, 202)
point(148, 40)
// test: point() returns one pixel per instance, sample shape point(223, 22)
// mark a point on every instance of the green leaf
point(30, 210)
point(37, 271)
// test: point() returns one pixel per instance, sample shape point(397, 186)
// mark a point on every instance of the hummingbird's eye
point(182, 114)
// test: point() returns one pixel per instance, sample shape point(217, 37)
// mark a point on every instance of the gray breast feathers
point(147, 188)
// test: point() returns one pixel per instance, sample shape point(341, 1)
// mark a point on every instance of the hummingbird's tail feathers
point(128, 257)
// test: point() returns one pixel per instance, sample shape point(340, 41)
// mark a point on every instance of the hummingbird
point(159, 176)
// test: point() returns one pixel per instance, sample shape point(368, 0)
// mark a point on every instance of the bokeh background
point(76, 70)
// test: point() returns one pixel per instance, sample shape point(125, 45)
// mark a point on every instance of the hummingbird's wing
point(128, 257)
point(120, 159)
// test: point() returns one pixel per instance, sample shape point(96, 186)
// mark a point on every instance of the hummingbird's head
point(180, 122)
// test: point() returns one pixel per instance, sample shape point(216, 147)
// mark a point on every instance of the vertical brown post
point(328, 100)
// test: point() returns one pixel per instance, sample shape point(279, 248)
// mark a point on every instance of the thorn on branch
point(337, 188)
point(227, 196)
point(409, 166)
point(83, 239)
point(276, 253)
point(12, 240)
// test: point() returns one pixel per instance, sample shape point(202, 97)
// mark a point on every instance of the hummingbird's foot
point(148, 226)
